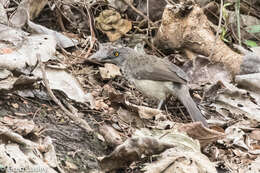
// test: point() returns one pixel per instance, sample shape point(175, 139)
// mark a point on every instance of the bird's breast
point(157, 89)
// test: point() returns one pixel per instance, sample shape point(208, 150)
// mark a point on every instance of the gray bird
point(153, 76)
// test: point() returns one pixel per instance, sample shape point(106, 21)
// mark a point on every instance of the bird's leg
point(160, 104)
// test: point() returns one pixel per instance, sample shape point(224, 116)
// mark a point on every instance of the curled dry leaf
point(235, 137)
point(237, 102)
point(203, 134)
point(176, 161)
point(150, 113)
point(111, 23)
point(132, 150)
point(148, 142)
point(110, 71)
point(146, 112)
point(101, 105)
point(70, 165)
point(111, 136)
point(126, 116)
point(143, 112)
point(62, 40)
point(61, 80)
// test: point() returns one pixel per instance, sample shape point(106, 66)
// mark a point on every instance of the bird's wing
point(157, 69)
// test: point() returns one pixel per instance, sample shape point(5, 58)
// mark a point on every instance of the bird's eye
point(116, 53)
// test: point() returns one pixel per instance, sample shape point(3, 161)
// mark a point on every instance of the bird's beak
point(101, 55)
point(98, 56)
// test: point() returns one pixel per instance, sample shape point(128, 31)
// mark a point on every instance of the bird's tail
point(184, 96)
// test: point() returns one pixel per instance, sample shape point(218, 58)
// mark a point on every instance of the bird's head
point(110, 54)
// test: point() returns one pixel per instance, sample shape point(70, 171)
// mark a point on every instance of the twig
point(138, 12)
point(59, 16)
point(148, 16)
point(154, 48)
point(143, 30)
point(17, 138)
point(36, 112)
point(62, 12)
point(164, 135)
point(237, 7)
point(93, 37)
point(183, 115)
point(170, 2)
point(62, 133)
point(82, 123)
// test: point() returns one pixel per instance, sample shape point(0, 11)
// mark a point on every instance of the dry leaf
point(131, 150)
point(174, 161)
point(255, 135)
point(110, 71)
point(110, 22)
point(111, 136)
point(15, 105)
point(70, 165)
point(204, 135)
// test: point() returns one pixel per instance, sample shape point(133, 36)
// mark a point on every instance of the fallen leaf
point(101, 105)
point(176, 161)
point(15, 105)
point(111, 23)
point(110, 71)
point(6, 50)
point(131, 150)
point(111, 136)
point(150, 113)
point(70, 165)
point(255, 135)
point(205, 135)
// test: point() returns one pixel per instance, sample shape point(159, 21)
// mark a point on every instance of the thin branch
point(237, 9)
point(17, 138)
point(93, 37)
point(148, 16)
point(82, 123)
point(138, 12)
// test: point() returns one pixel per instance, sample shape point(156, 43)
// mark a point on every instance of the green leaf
point(224, 10)
point(223, 35)
point(250, 43)
point(227, 4)
point(253, 29)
